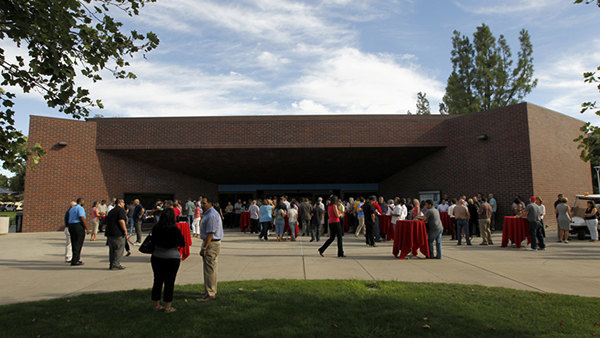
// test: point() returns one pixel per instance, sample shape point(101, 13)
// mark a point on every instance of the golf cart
point(578, 226)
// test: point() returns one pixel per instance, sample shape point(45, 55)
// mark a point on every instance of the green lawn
point(10, 214)
point(294, 308)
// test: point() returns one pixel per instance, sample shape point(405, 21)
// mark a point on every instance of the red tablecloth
point(410, 236)
point(346, 222)
point(185, 231)
point(287, 227)
point(244, 220)
point(385, 227)
point(446, 222)
point(515, 230)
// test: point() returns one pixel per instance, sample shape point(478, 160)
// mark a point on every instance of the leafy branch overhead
point(63, 38)
point(588, 141)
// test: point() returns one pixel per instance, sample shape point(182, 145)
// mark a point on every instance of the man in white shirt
point(287, 204)
point(396, 211)
point(443, 207)
point(403, 209)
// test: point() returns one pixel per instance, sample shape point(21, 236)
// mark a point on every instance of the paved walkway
point(32, 268)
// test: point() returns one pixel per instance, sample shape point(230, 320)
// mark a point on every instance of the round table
point(410, 236)
point(515, 230)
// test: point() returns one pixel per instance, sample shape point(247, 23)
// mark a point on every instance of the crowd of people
point(469, 217)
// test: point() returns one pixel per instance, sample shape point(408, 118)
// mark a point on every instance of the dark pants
point(370, 236)
point(254, 224)
point(165, 271)
point(315, 232)
point(77, 232)
point(335, 230)
point(535, 232)
point(460, 225)
point(377, 235)
point(116, 245)
point(474, 227)
point(265, 230)
point(101, 224)
point(138, 230)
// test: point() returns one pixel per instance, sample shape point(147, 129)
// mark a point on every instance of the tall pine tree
point(483, 76)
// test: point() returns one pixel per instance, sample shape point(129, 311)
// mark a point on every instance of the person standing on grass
point(434, 228)
point(532, 213)
point(68, 248)
point(116, 232)
point(77, 230)
point(335, 228)
point(211, 233)
point(165, 260)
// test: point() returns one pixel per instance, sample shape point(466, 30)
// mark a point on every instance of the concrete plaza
point(32, 265)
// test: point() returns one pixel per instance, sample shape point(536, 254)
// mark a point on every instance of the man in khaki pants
point(211, 233)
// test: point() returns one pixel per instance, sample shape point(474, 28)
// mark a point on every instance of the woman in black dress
point(474, 219)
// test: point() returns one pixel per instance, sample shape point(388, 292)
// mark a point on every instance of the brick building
point(522, 149)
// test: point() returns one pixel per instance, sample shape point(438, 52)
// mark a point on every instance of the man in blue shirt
point(77, 230)
point(494, 204)
point(211, 233)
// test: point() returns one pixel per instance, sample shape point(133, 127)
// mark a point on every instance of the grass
point(11, 215)
point(294, 308)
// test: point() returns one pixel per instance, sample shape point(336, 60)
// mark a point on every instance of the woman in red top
point(335, 228)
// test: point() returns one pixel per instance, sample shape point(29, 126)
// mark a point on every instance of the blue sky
point(253, 57)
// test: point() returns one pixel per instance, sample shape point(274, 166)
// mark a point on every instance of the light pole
point(597, 168)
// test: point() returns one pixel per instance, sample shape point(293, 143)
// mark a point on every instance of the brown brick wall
point(556, 166)
point(79, 170)
point(269, 132)
point(64, 174)
point(499, 165)
point(95, 164)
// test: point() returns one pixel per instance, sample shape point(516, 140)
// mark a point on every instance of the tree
point(588, 141)
point(423, 107)
point(3, 181)
point(62, 38)
point(483, 76)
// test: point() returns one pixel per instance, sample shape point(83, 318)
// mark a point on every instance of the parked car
point(578, 227)
point(19, 206)
point(8, 207)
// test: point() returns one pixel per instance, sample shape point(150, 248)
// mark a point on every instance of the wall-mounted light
point(62, 143)
point(482, 137)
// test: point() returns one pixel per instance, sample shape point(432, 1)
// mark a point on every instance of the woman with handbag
point(166, 238)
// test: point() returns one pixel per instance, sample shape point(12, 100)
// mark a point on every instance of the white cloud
point(281, 22)
point(491, 7)
point(350, 81)
point(561, 83)
point(269, 60)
